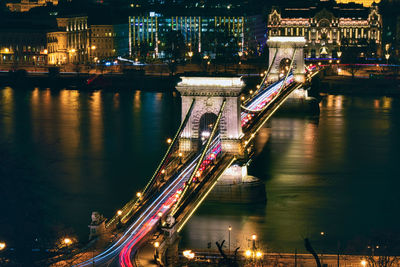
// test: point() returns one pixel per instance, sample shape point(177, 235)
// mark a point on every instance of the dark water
point(64, 154)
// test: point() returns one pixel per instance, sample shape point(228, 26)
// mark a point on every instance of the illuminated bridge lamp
point(258, 86)
point(259, 254)
point(156, 244)
point(251, 91)
point(138, 194)
point(363, 263)
point(67, 241)
point(242, 98)
point(2, 245)
point(162, 171)
point(169, 140)
point(188, 254)
point(248, 253)
point(254, 237)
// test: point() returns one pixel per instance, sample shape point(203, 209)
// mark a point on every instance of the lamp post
point(229, 240)
point(2, 246)
point(387, 56)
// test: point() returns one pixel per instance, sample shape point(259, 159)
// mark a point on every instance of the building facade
point(197, 31)
point(330, 28)
point(57, 48)
point(102, 42)
point(23, 47)
point(78, 38)
point(26, 5)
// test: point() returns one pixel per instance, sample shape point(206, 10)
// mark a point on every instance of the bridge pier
point(236, 186)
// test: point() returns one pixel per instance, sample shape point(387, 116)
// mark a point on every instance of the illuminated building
point(78, 45)
point(329, 28)
point(23, 46)
point(26, 5)
point(195, 30)
point(366, 3)
point(57, 48)
point(102, 42)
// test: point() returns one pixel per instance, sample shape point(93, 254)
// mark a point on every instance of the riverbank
point(107, 81)
point(212, 257)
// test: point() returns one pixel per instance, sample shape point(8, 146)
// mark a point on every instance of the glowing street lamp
point(157, 244)
point(138, 194)
point(67, 241)
point(229, 240)
point(248, 253)
point(2, 246)
point(169, 140)
point(363, 263)
point(188, 254)
point(119, 212)
point(339, 54)
point(387, 56)
point(258, 254)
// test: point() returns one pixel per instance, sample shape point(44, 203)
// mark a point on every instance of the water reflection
point(68, 153)
point(334, 174)
point(90, 150)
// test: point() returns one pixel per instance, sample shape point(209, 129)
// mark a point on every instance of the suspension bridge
point(217, 128)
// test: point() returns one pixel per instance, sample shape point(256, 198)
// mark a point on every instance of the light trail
point(148, 218)
point(265, 96)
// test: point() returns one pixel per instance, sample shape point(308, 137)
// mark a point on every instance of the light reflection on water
point(335, 173)
point(92, 151)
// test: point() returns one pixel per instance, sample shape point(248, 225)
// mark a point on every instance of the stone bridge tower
point(209, 93)
point(285, 46)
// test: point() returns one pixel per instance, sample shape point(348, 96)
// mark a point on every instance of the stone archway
point(206, 124)
point(284, 66)
point(209, 94)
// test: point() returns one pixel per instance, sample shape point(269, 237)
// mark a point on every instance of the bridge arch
point(209, 93)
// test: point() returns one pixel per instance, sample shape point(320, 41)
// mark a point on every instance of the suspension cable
point(280, 88)
point(200, 160)
point(264, 78)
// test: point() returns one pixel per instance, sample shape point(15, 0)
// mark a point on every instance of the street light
point(387, 56)
point(188, 254)
point(67, 241)
point(2, 246)
point(119, 212)
point(138, 194)
point(229, 240)
point(169, 140)
point(364, 263)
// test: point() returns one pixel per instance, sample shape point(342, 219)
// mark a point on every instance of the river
point(64, 154)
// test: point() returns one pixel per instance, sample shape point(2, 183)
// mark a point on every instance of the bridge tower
point(209, 93)
point(285, 46)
